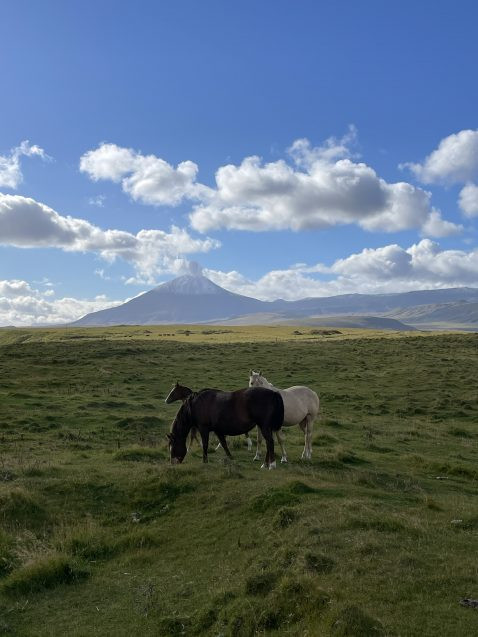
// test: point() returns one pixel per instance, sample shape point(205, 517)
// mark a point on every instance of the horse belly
point(232, 429)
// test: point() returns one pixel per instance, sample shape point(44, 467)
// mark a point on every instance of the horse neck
point(183, 422)
point(267, 384)
point(184, 393)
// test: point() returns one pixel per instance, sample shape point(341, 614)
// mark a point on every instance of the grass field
point(377, 535)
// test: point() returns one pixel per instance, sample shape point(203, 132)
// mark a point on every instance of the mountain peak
point(190, 284)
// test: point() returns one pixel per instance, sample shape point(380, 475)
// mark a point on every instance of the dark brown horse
point(181, 392)
point(227, 414)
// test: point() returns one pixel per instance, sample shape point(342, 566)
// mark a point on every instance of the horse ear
point(177, 383)
point(250, 372)
point(260, 372)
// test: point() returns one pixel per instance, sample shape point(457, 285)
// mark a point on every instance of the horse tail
point(277, 419)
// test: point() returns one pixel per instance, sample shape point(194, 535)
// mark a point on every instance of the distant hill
point(462, 313)
point(196, 299)
point(366, 322)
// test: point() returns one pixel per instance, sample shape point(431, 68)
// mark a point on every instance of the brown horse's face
point(177, 449)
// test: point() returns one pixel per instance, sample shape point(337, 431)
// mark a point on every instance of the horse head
point(179, 432)
point(178, 392)
point(256, 379)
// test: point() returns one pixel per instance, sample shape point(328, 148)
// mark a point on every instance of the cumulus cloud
point(146, 178)
point(468, 200)
point(454, 161)
point(21, 304)
point(317, 187)
point(10, 168)
point(323, 190)
point(390, 268)
point(26, 223)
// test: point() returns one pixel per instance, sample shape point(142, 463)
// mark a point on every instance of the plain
point(376, 535)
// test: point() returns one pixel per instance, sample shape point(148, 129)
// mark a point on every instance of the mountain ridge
point(193, 298)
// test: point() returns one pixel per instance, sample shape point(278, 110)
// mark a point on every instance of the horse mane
point(184, 418)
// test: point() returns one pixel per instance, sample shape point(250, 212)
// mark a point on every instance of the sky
point(284, 148)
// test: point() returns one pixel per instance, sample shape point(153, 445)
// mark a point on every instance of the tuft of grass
point(294, 599)
point(153, 498)
point(457, 470)
point(171, 626)
point(285, 516)
point(318, 562)
point(275, 497)
point(7, 557)
point(260, 583)
point(19, 509)
point(466, 524)
point(140, 422)
point(139, 454)
point(45, 573)
point(383, 525)
point(330, 422)
point(352, 621)
point(459, 432)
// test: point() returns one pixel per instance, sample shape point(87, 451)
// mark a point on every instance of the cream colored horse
point(301, 406)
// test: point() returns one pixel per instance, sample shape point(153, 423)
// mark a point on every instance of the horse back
point(265, 406)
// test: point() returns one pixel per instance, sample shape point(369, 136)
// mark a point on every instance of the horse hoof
point(263, 466)
point(256, 457)
point(283, 459)
point(272, 465)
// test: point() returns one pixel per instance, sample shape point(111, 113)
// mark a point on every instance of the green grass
point(100, 535)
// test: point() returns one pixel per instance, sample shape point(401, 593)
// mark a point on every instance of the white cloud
point(98, 201)
point(468, 200)
point(26, 223)
point(386, 269)
point(146, 178)
point(21, 304)
point(454, 161)
point(10, 169)
point(325, 193)
point(324, 187)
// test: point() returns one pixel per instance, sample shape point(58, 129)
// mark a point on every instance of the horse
point(301, 406)
point(227, 413)
point(181, 392)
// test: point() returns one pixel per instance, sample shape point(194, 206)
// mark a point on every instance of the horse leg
point(280, 440)
point(303, 426)
point(223, 443)
point(270, 461)
point(193, 437)
point(249, 442)
point(205, 443)
point(259, 443)
point(307, 425)
point(308, 435)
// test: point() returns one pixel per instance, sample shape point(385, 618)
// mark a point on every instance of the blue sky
point(291, 148)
